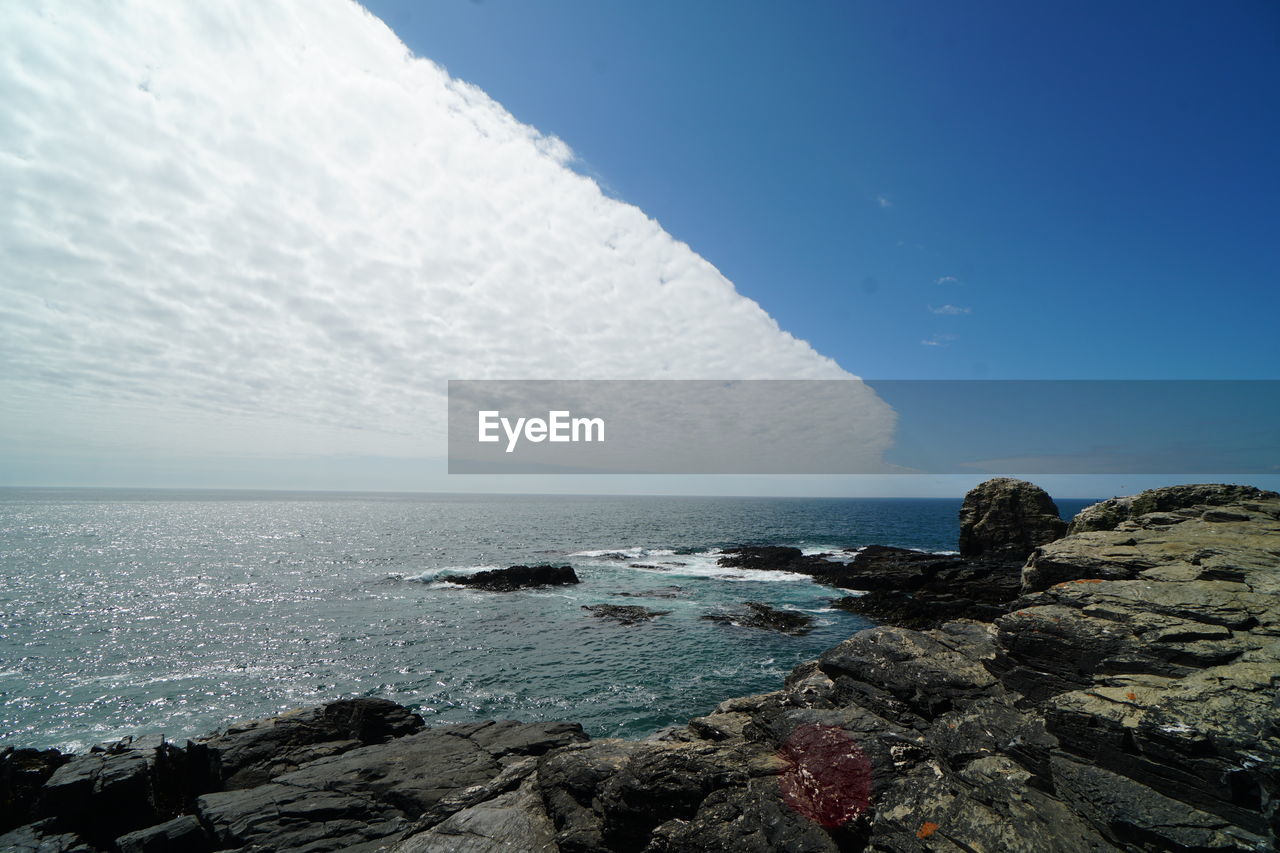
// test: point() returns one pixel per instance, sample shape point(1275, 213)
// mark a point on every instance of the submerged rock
point(756, 614)
point(1007, 518)
point(516, 577)
point(627, 614)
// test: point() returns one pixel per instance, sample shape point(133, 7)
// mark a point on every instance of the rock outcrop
point(1106, 515)
point(1007, 518)
point(516, 577)
point(1127, 701)
point(627, 614)
point(757, 614)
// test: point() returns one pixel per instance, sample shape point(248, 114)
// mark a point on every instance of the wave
point(442, 573)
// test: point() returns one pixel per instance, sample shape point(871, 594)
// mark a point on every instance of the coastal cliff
point(1115, 688)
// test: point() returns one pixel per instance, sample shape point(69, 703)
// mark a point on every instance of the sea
point(126, 612)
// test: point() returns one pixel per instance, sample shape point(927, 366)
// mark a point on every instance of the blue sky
point(248, 244)
point(1095, 183)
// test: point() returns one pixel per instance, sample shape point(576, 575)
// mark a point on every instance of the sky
point(245, 244)
point(1053, 190)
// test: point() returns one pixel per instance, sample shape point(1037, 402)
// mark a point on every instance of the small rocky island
point(1111, 686)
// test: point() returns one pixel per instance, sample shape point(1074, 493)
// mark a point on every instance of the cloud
point(948, 279)
point(244, 225)
point(939, 341)
point(950, 309)
point(883, 200)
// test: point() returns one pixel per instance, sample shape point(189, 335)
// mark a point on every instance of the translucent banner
point(864, 427)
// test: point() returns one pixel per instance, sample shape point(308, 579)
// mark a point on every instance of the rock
point(252, 753)
point(1007, 518)
point(181, 835)
point(515, 821)
point(22, 773)
point(763, 558)
point(611, 795)
point(120, 787)
point(373, 792)
point(43, 836)
point(759, 615)
point(1107, 514)
point(516, 577)
point(625, 613)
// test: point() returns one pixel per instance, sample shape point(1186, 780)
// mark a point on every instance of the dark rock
point(763, 558)
point(759, 615)
point(627, 614)
point(1007, 518)
point(43, 836)
point(22, 773)
point(181, 835)
point(255, 752)
point(913, 589)
point(117, 788)
point(373, 792)
point(611, 795)
point(516, 577)
point(510, 821)
point(746, 819)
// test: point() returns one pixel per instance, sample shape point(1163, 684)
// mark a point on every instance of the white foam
point(443, 573)
point(635, 553)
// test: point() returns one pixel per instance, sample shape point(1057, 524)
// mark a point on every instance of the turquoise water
point(124, 612)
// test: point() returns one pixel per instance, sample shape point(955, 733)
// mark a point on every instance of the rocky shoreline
point(1116, 688)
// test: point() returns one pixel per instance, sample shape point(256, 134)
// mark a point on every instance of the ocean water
point(124, 612)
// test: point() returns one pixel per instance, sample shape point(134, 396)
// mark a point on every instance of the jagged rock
point(515, 822)
point(516, 577)
point(763, 558)
point(255, 752)
point(611, 795)
point(181, 835)
point(1007, 518)
point(756, 614)
point(745, 819)
point(43, 836)
point(22, 773)
point(627, 614)
point(1180, 542)
point(373, 792)
point(123, 786)
point(1107, 514)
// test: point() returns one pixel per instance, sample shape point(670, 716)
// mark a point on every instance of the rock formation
point(1007, 518)
point(1126, 701)
point(757, 614)
point(516, 577)
point(627, 614)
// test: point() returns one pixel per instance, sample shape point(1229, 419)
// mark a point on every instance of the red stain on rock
point(827, 777)
point(1132, 697)
point(926, 829)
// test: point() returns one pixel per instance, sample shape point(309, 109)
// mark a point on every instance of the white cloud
point(950, 309)
point(243, 224)
point(883, 200)
point(948, 279)
point(939, 341)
